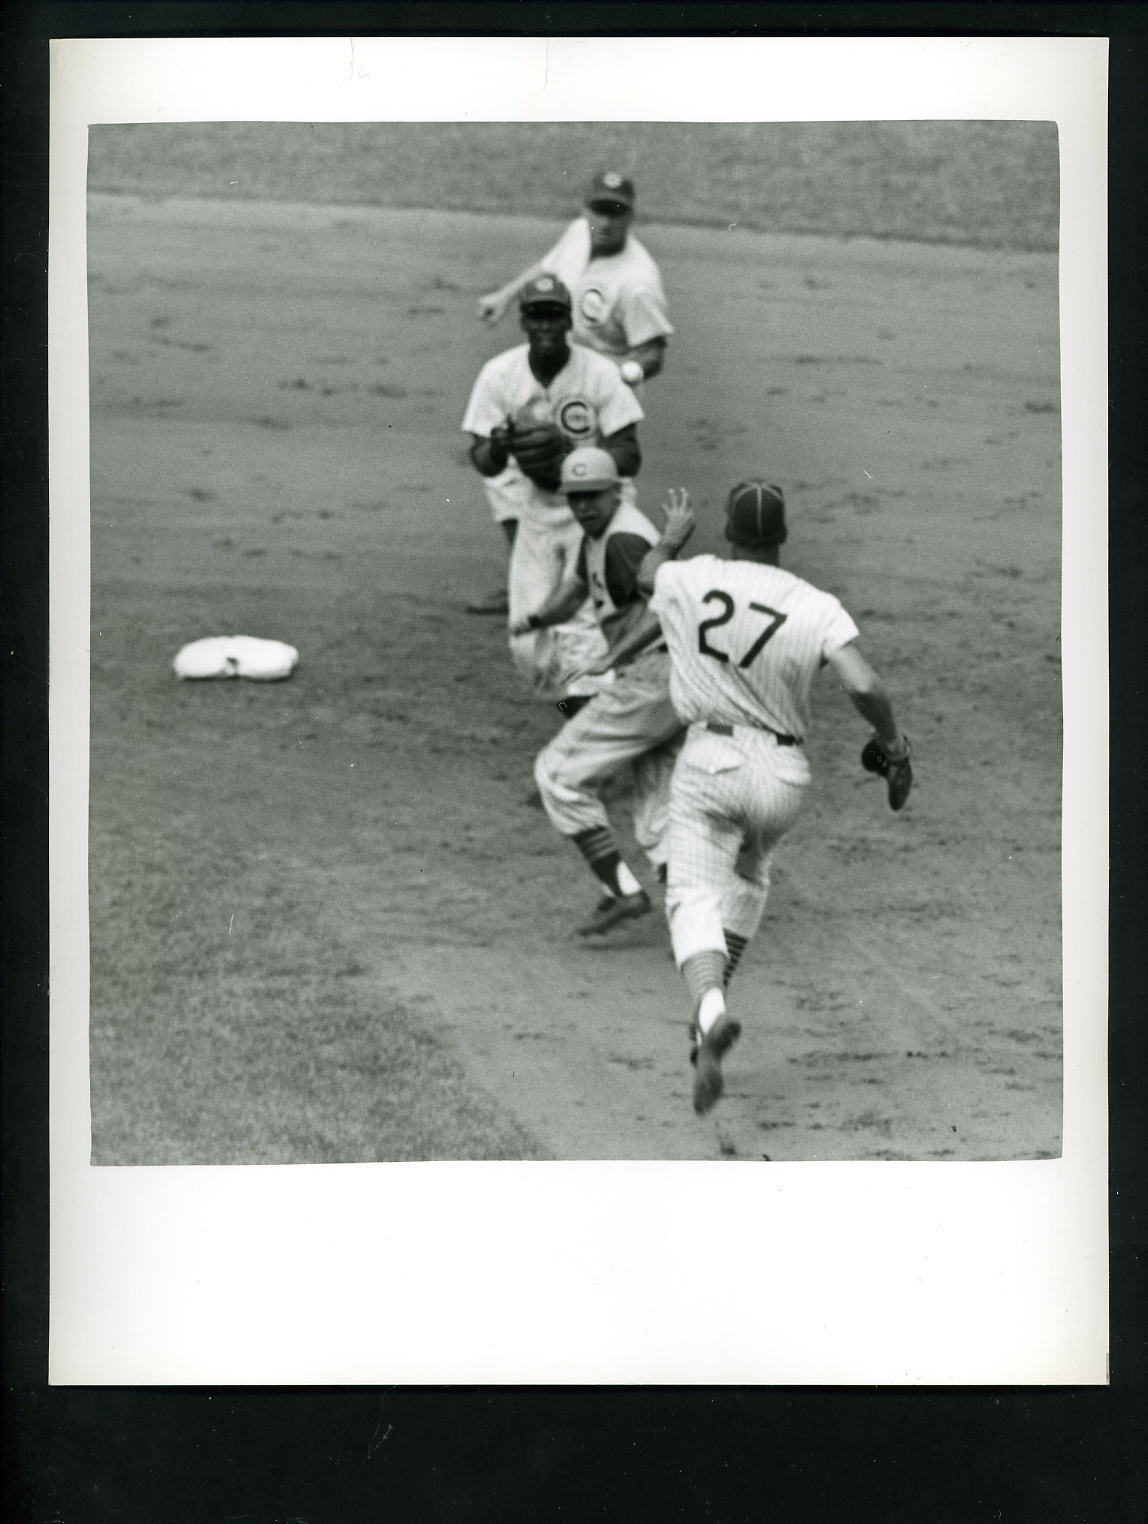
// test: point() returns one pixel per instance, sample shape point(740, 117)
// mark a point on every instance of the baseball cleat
point(614, 909)
point(709, 1050)
point(495, 603)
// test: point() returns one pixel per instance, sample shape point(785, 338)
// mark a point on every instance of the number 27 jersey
point(745, 640)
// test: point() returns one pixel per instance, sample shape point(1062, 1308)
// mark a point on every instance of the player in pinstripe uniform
point(630, 721)
point(746, 640)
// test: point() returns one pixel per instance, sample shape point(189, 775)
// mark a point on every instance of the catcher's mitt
point(538, 445)
point(896, 770)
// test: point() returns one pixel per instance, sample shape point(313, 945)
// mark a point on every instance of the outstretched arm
point(868, 696)
point(562, 603)
point(641, 634)
point(492, 307)
point(886, 752)
point(680, 525)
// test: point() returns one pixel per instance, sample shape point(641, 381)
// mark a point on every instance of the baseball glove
point(897, 771)
point(539, 447)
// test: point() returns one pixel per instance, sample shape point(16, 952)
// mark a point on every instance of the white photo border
point(581, 1274)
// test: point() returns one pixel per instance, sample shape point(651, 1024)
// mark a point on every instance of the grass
point(230, 1021)
point(986, 184)
point(252, 1037)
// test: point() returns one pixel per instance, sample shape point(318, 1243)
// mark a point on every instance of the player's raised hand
point(680, 521)
point(492, 308)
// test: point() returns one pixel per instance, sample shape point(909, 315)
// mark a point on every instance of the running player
point(590, 404)
point(619, 303)
point(632, 721)
point(746, 640)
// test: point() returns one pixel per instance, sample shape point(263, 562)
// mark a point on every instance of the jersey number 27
point(715, 622)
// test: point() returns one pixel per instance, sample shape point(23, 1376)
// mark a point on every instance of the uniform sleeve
point(569, 256)
point(666, 579)
point(838, 626)
point(643, 313)
point(485, 410)
point(617, 404)
point(624, 554)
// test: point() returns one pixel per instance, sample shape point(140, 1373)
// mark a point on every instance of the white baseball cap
point(589, 469)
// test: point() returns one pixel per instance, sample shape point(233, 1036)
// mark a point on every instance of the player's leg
point(650, 801)
point(777, 782)
point(503, 498)
point(743, 903)
point(614, 728)
point(536, 564)
point(544, 547)
point(704, 841)
point(646, 733)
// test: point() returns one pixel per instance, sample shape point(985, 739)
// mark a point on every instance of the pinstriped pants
point(732, 799)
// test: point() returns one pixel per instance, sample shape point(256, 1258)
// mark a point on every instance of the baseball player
point(529, 408)
point(632, 721)
point(746, 640)
point(619, 303)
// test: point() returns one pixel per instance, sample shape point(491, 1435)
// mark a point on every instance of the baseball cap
point(544, 290)
point(588, 469)
point(755, 515)
point(609, 185)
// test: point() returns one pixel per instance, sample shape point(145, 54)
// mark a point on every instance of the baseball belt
point(728, 730)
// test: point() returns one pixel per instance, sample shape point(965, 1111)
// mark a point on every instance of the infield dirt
point(327, 921)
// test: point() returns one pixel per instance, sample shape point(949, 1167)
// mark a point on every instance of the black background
point(160, 1456)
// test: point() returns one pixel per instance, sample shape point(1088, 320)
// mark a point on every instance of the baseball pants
point(506, 495)
point(545, 553)
point(632, 721)
point(732, 799)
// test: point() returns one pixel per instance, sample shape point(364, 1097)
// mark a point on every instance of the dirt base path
point(276, 394)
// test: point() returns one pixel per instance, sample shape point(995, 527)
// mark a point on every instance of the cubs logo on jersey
point(577, 419)
point(592, 304)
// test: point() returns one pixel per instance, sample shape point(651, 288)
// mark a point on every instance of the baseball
point(632, 372)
